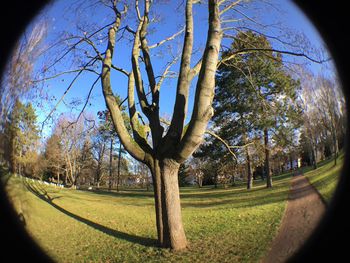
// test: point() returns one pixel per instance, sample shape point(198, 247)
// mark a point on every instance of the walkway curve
point(303, 212)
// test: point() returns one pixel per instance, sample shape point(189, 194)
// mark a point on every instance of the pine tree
point(23, 137)
point(255, 95)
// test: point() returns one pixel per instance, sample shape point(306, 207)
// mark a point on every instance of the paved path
point(304, 210)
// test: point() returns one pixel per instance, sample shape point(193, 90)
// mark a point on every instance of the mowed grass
point(222, 225)
point(326, 177)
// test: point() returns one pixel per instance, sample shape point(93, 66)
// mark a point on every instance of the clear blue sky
point(283, 13)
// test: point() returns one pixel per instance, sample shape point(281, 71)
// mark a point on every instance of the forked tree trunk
point(177, 144)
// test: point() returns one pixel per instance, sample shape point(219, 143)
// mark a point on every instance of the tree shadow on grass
point(247, 199)
point(129, 193)
point(240, 200)
point(4, 176)
point(43, 195)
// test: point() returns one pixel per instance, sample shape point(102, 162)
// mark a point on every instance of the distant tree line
point(76, 154)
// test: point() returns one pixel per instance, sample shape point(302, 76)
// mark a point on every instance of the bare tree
point(18, 78)
point(72, 137)
point(99, 153)
point(167, 152)
point(162, 150)
point(196, 170)
point(323, 113)
point(329, 109)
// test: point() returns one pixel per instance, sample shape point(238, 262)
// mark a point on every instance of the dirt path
point(303, 212)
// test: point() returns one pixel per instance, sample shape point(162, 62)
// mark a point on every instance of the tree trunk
point(119, 159)
point(267, 159)
point(314, 157)
point(170, 229)
point(156, 178)
point(249, 171)
point(173, 231)
point(335, 142)
point(58, 178)
point(200, 179)
point(12, 157)
point(110, 166)
point(66, 177)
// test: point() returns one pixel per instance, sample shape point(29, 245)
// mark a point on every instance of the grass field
point(326, 177)
point(222, 225)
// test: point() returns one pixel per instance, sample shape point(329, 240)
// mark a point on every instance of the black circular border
point(330, 239)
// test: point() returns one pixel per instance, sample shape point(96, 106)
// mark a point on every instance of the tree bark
point(336, 148)
point(249, 170)
point(173, 230)
point(110, 165)
point(170, 229)
point(156, 178)
point(267, 159)
point(314, 157)
point(248, 163)
point(119, 159)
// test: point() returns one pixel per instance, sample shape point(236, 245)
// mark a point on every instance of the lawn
point(222, 225)
point(326, 177)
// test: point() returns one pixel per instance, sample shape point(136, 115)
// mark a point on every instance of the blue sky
point(283, 13)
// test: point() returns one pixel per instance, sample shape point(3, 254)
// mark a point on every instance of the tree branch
point(203, 111)
point(139, 131)
point(211, 133)
point(76, 44)
point(248, 50)
point(64, 94)
point(137, 73)
point(180, 108)
point(167, 39)
point(129, 144)
point(228, 7)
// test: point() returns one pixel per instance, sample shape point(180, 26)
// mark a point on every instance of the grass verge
point(326, 177)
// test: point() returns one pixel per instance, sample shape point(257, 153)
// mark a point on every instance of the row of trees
point(270, 116)
point(75, 154)
point(324, 118)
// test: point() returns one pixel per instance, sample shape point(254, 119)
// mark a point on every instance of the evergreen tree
point(255, 95)
point(22, 133)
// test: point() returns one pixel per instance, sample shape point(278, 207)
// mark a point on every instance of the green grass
point(325, 178)
point(222, 225)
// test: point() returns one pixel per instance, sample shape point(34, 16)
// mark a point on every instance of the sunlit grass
point(222, 225)
point(326, 177)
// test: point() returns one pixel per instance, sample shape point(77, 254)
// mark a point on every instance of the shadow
point(242, 200)
point(43, 195)
point(301, 189)
point(4, 176)
point(130, 193)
